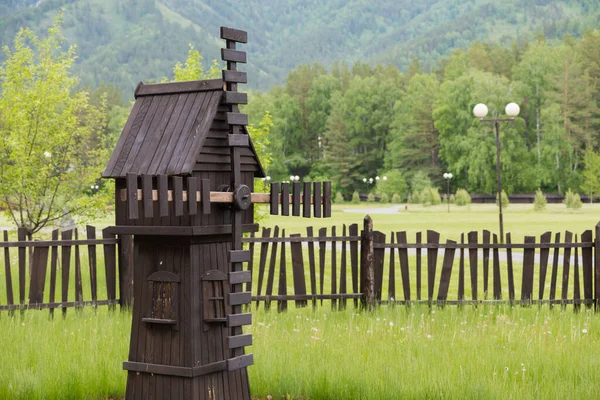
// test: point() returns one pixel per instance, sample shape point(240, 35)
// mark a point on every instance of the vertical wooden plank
point(53, 265)
point(192, 200)
point(379, 261)
point(343, 270)
point(527, 281)
point(597, 267)
point(326, 199)
point(91, 234)
point(472, 239)
point(333, 267)
point(446, 274)
point(392, 272)
point(311, 263)
point(317, 199)
point(298, 270)
point(403, 257)
point(7, 273)
point(65, 262)
point(461, 270)
point(147, 196)
point(163, 195)
point(497, 281)
point(322, 244)
point(544, 254)
point(271, 273)
point(432, 253)
point(274, 199)
point(587, 266)
point(282, 290)
point(296, 191)
point(178, 195)
point(37, 279)
point(21, 237)
point(306, 193)
point(353, 231)
point(262, 263)
point(126, 270)
point(205, 196)
point(250, 266)
point(132, 196)
point(78, 282)
point(110, 266)
point(554, 276)
point(566, 266)
point(419, 257)
point(486, 262)
point(510, 271)
point(285, 199)
point(576, 288)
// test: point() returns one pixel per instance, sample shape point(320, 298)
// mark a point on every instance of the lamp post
point(294, 178)
point(368, 181)
point(447, 177)
point(512, 110)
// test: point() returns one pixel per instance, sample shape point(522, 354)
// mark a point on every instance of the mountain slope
point(125, 41)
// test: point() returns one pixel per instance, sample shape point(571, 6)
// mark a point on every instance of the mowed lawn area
point(490, 352)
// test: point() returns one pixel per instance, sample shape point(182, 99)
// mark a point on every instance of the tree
point(591, 173)
point(193, 69)
point(48, 160)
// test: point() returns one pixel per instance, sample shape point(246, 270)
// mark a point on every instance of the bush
point(572, 200)
point(539, 203)
point(355, 197)
point(462, 198)
point(396, 198)
point(371, 198)
point(452, 199)
point(505, 201)
point(430, 197)
point(384, 198)
point(339, 198)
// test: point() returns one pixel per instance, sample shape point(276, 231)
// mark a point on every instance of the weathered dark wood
point(392, 272)
point(311, 264)
point(239, 319)
point(379, 253)
point(509, 270)
point(132, 197)
point(343, 270)
point(306, 203)
point(147, 196)
point(239, 298)
point(238, 277)
point(66, 267)
point(333, 268)
point(271, 274)
point(53, 270)
point(240, 341)
point(404, 272)
point(235, 98)
point(274, 199)
point(262, 263)
point(298, 271)
point(38, 275)
point(21, 237)
point(317, 199)
point(461, 270)
point(235, 76)
point(91, 235)
point(237, 119)
point(419, 268)
point(233, 55)
point(239, 256)
point(597, 267)
point(367, 265)
point(528, 271)
point(205, 196)
point(178, 195)
point(163, 195)
point(154, 89)
point(446, 274)
point(353, 231)
point(7, 273)
point(126, 270)
point(326, 199)
point(576, 288)
point(566, 266)
point(432, 237)
point(239, 140)
point(78, 281)
point(234, 35)
point(282, 291)
point(544, 255)
point(110, 266)
point(554, 276)
point(497, 279)
point(322, 244)
point(192, 189)
point(296, 192)
point(285, 199)
point(486, 262)
point(587, 266)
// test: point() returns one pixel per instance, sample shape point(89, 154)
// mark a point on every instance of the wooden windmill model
point(184, 167)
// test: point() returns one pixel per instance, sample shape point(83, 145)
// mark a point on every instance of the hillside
point(125, 41)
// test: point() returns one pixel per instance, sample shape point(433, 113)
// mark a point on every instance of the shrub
point(462, 198)
point(371, 198)
point(339, 198)
point(539, 203)
point(430, 197)
point(355, 197)
point(452, 199)
point(572, 200)
point(384, 198)
point(396, 198)
point(505, 201)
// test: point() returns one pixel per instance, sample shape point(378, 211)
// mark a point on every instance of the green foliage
point(591, 173)
point(355, 197)
point(505, 201)
point(539, 202)
point(371, 198)
point(193, 69)
point(396, 199)
point(429, 196)
point(452, 199)
point(51, 148)
point(395, 183)
point(420, 180)
point(339, 198)
point(572, 200)
point(462, 198)
point(384, 198)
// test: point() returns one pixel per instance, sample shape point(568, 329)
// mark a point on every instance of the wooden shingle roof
point(166, 129)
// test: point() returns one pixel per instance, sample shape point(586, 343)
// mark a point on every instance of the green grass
point(394, 353)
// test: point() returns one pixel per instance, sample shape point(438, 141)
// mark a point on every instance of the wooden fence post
point(126, 271)
point(367, 265)
point(597, 268)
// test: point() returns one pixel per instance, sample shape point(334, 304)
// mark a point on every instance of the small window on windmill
point(164, 287)
point(215, 289)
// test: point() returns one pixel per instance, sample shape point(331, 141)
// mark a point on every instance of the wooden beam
point(234, 35)
point(233, 55)
point(234, 98)
point(178, 87)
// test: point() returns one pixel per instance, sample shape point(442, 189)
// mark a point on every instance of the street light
point(266, 179)
point(294, 178)
point(447, 177)
point(512, 110)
